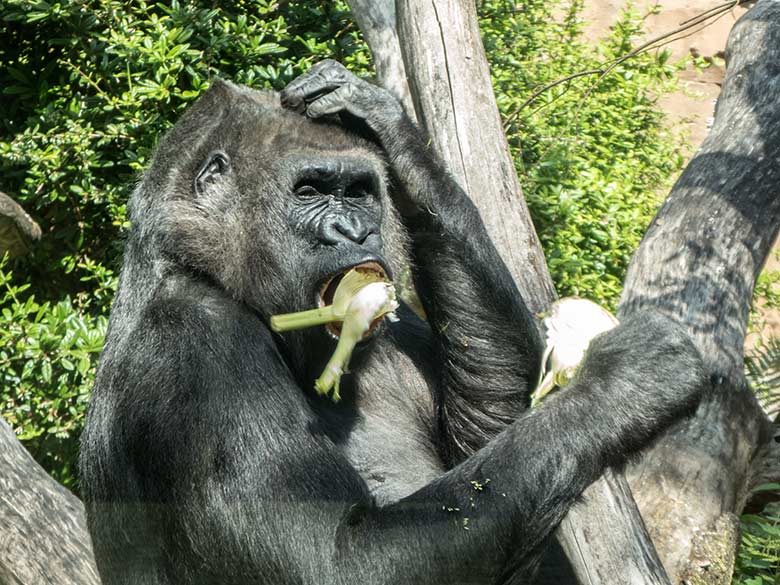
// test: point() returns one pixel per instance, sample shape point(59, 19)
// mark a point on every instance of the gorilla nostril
point(354, 231)
point(348, 229)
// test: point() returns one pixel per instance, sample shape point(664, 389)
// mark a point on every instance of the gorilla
point(208, 458)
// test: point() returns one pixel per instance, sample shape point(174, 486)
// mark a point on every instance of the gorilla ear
point(215, 167)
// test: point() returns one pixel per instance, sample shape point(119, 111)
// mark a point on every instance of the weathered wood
point(18, 231)
point(376, 19)
point(453, 97)
point(43, 531)
point(600, 551)
point(698, 264)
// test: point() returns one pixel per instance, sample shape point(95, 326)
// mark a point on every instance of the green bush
point(48, 353)
point(758, 561)
point(591, 153)
point(88, 86)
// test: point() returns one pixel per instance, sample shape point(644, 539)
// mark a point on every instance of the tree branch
point(43, 530)
point(698, 264)
point(376, 19)
point(450, 82)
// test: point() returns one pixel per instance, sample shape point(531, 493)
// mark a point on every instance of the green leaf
point(46, 371)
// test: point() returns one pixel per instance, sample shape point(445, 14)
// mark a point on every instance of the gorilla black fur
point(208, 458)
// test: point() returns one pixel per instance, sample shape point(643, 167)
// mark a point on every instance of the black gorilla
point(209, 459)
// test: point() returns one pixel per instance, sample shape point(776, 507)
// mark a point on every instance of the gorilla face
point(269, 205)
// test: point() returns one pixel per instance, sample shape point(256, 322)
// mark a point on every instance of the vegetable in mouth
point(361, 298)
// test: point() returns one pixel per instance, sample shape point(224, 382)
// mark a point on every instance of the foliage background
point(89, 85)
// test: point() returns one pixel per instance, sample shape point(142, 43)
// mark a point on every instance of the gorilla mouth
point(328, 290)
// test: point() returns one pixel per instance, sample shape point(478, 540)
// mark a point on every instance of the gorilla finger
point(331, 103)
point(302, 91)
point(323, 77)
point(293, 96)
point(333, 70)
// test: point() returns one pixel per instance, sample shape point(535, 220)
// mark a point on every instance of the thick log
point(376, 19)
point(600, 551)
point(453, 97)
point(18, 231)
point(43, 531)
point(698, 264)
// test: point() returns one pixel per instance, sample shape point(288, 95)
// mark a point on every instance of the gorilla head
point(270, 206)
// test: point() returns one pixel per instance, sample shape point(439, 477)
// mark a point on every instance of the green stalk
point(359, 299)
point(331, 375)
point(302, 319)
point(355, 324)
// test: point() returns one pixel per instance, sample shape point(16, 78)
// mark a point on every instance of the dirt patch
point(692, 106)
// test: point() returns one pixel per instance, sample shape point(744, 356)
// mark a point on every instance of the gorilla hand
point(643, 375)
point(329, 88)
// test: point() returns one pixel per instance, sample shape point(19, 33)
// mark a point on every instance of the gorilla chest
point(391, 443)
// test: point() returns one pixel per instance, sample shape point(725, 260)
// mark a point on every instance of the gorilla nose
point(349, 190)
point(350, 229)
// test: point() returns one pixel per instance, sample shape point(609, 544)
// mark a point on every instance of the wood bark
point(43, 531)
point(377, 22)
point(18, 231)
point(450, 82)
point(698, 264)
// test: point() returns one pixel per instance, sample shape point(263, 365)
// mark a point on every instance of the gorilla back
point(207, 456)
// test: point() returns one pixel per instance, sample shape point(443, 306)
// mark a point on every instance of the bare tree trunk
point(698, 264)
point(376, 19)
point(450, 82)
point(43, 531)
point(18, 231)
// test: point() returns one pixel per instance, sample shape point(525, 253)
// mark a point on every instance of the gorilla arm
point(240, 487)
point(490, 344)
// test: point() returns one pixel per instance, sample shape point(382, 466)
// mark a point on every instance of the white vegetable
point(361, 298)
point(571, 324)
point(371, 302)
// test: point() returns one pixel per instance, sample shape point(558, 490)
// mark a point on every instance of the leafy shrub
point(591, 153)
point(47, 358)
point(758, 561)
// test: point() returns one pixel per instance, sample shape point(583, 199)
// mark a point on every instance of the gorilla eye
point(217, 164)
point(359, 189)
point(311, 188)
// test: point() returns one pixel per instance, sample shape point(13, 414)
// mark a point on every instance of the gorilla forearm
point(491, 348)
